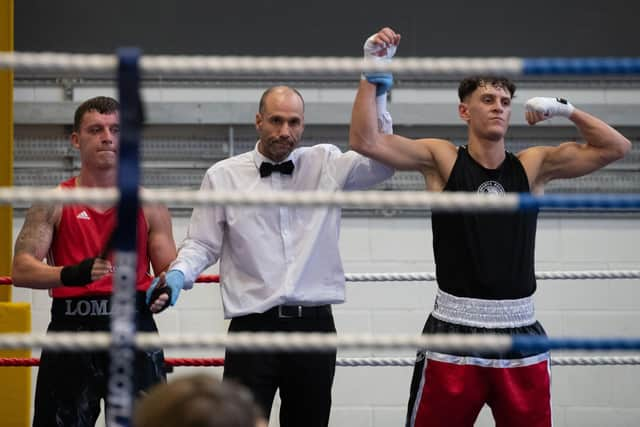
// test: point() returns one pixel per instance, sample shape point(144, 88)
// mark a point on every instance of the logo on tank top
point(491, 187)
point(87, 308)
point(83, 215)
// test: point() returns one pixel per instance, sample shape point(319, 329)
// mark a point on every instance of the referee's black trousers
point(304, 378)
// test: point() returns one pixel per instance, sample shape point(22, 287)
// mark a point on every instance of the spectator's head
point(198, 401)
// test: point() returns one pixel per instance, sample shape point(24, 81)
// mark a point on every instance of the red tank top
point(83, 233)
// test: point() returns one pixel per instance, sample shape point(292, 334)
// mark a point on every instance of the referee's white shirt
point(273, 255)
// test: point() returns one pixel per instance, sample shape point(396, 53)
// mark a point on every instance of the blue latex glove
point(383, 81)
point(174, 281)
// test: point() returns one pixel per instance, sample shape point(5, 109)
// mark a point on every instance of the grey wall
point(330, 27)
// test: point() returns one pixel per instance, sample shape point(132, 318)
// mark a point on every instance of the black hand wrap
point(155, 294)
point(78, 274)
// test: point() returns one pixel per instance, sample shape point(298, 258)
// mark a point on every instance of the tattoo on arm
point(37, 231)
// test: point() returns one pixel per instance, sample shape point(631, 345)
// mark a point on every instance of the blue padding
point(571, 201)
point(130, 130)
point(540, 66)
point(539, 343)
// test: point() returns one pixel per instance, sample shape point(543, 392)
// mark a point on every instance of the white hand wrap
point(384, 53)
point(550, 107)
point(381, 52)
point(385, 123)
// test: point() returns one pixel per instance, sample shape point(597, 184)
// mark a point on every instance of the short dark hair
point(197, 400)
point(469, 84)
point(101, 104)
point(267, 92)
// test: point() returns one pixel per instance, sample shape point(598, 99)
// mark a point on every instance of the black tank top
point(486, 255)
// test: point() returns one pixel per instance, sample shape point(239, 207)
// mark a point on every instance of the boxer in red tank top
point(86, 230)
point(74, 240)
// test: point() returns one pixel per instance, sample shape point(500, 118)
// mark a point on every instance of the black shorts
point(70, 385)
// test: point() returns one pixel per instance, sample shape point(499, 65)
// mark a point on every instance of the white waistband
point(483, 313)
point(489, 363)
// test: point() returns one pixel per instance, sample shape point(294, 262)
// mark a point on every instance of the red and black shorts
point(451, 389)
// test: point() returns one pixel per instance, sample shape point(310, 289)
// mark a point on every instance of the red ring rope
point(34, 361)
point(205, 278)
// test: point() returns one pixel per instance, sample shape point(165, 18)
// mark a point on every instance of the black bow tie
point(267, 168)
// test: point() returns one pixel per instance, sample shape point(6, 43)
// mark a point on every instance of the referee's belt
point(90, 307)
point(298, 311)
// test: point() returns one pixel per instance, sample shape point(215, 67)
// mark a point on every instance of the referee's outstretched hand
point(164, 290)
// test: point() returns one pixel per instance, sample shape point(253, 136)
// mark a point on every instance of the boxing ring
point(131, 66)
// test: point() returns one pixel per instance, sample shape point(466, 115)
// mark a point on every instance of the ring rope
point(542, 275)
point(361, 361)
point(183, 64)
point(410, 361)
point(255, 341)
point(455, 201)
point(430, 276)
point(319, 342)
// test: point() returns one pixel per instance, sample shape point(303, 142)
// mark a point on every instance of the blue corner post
point(123, 326)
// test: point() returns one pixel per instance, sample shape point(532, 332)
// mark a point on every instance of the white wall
point(376, 396)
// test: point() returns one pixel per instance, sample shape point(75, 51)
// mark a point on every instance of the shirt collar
point(258, 158)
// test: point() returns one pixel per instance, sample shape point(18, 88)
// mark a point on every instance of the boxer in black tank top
point(485, 261)
point(480, 255)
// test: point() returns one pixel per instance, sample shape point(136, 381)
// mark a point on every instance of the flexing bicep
point(37, 231)
point(603, 145)
point(570, 160)
point(161, 246)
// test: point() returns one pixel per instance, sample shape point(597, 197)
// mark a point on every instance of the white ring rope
point(431, 277)
point(588, 274)
point(597, 360)
point(181, 64)
point(556, 361)
point(390, 277)
point(97, 196)
point(542, 275)
point(260, 341)
point(375, 361)
point(458, 201)
point(298, 342)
